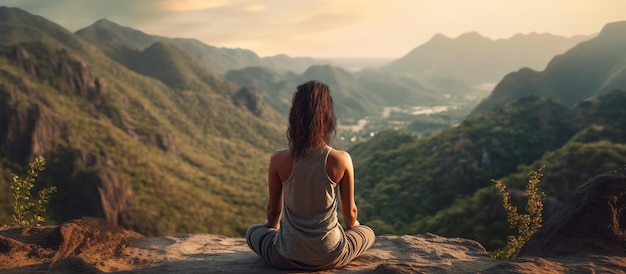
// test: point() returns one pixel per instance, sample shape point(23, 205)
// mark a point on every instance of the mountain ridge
point(599, 65)
point(218, 60)
point(457, 57)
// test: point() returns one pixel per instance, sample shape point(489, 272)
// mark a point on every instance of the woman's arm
point(349, 210)
point(275, 203)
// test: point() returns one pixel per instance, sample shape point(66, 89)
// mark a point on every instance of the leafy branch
point(526, 224)
point(25, 211)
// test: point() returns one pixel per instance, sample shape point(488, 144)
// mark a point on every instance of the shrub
point(525, 224)
point(25, 211)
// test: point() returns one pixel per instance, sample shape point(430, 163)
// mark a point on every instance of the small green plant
point(25, 211)
point(525, 224)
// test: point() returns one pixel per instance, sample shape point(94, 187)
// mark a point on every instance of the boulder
point(591, 222)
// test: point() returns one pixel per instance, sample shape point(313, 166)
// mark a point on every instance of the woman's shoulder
point(339, 152)
point(282, 151)
point(281, 155)
point(339, 155)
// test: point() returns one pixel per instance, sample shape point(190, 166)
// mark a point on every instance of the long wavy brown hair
point(311, 118)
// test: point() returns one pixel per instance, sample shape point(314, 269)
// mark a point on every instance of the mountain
point(419, 178)
point(357, 95)
point(264, 75)
point(366, 93)
point(218, 60)
point(18, 25)
point(442, 184)
point(275, 87)
point(351, 99)
point(592, 67)
point(568, 118)
point(476, 60)
point(155, 144)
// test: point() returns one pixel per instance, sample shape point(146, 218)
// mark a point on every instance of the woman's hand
point(353, 225)
point(267, 223)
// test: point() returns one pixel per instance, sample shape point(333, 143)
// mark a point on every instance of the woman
point(302, 230)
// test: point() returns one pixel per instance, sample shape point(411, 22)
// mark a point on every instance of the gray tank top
point(309, 230)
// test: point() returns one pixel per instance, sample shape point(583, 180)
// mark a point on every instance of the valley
point(170, 135)
point(419, 120)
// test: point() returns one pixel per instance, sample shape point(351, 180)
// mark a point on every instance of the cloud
point(189, 5)
point(243, 21)
point(330, 27)
point(254, 8)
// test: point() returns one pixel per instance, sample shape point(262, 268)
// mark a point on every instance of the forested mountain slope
point(420, 177)
point(442, 184)
point(157, 156)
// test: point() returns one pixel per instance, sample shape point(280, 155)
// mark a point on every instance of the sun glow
point(190, 5)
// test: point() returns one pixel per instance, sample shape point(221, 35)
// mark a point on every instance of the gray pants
point(260, 239)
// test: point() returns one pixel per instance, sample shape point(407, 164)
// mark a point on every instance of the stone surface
point(585, 236)
point(95, 246)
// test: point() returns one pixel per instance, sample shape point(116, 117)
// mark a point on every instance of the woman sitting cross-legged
point(306, 183)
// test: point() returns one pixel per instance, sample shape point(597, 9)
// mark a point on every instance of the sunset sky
point(332, 28)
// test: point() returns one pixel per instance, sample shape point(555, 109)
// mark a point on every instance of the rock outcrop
point(585, 236)
point(251, 100)
point(92, 245)
point(55, 247)
point(591, 222)
point(90, 185)
point(42, 61)
point(27, 132)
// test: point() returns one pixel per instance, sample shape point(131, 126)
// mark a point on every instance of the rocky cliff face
point(251, 100)
point(29, 131)
point(90, 185)
point(45, 63)
point(29, 127)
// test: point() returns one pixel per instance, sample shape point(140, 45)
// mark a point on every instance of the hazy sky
point(332, 28)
